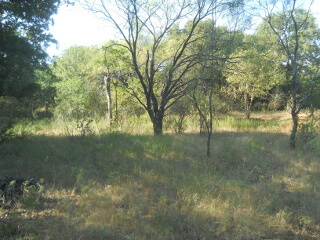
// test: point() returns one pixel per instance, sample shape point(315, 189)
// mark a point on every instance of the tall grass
point(115, 185)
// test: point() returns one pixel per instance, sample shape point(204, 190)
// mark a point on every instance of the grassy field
point(132, 185)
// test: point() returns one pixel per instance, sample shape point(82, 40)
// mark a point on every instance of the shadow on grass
point(47, 225)
point(120, 186)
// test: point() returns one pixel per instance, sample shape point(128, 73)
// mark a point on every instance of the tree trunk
point(294, 113)
point(209, 144)
point(107, 83)
point(248, 100)
point(210, 122)
point(248, 113)
point(157, 124)
point(246, 106)
point(293, 130)
point(202, 126)
point(116, 104)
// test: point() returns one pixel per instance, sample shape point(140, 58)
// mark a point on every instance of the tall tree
point(298, 38)
point(144, 27)
point(24, 34)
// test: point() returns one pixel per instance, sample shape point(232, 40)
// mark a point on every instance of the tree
point(254, 71)
point(298, 39)
point(24, 34)
point(144, 26)
point(45, 97)
point(217, 43)
point(202, 89)
point(79, 92)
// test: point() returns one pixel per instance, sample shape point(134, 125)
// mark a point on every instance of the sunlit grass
point(113, 185)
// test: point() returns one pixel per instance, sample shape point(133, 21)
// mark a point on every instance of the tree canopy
point(24, 35)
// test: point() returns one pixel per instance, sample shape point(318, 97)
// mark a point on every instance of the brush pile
point(12, 189)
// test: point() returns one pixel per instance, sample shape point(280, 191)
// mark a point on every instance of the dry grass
point(127, 186)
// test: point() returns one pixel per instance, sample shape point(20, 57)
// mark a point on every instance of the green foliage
point(116, 58)
point(256, 71)
point(23, 35)
point(45, 98)
point(81, 90)
point(79, 93)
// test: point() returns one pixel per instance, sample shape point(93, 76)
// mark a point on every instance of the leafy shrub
point(309, 130)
